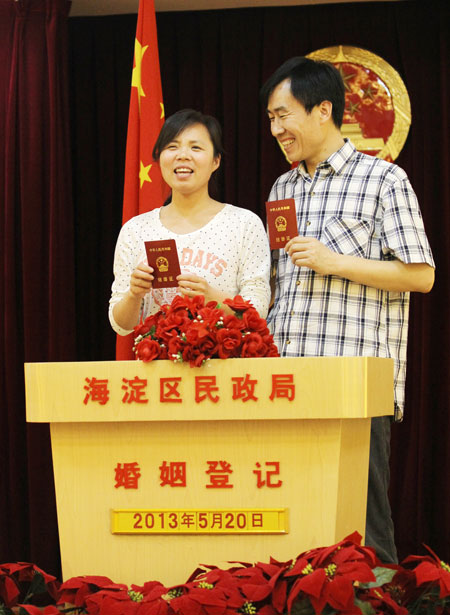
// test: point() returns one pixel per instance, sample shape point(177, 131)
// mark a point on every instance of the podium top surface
point(234, 389)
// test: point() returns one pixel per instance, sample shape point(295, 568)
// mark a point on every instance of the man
point(342, 285)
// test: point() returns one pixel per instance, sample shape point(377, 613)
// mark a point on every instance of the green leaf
point(37, 586)
point(302, 607)
point(382, 575)
point(366, 607)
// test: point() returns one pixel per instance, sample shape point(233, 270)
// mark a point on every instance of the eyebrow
point(175, 140)
point(277, 110)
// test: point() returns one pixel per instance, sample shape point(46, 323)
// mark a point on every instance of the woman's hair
point(180, 120)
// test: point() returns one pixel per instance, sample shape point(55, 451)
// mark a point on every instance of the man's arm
point(386, 275)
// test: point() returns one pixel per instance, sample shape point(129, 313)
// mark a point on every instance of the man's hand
point(390, 275)
point(310, 252)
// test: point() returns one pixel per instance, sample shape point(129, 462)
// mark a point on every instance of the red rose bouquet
point(192, 331)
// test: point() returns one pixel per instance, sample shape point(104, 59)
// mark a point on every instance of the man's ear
point(325, 111)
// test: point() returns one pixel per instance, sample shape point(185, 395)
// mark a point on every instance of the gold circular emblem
point(377, 112)
point(162, 264)
point(280, 224)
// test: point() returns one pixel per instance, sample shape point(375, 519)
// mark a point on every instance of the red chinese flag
point(144, 188)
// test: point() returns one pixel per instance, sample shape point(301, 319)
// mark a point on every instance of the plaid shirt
point(364, 206)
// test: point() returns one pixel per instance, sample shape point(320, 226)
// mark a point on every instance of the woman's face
point(188, 161)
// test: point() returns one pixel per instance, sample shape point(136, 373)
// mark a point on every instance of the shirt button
point(298, 282)
point(312, 193)
point(308, 223)
point(288, 341)
point(292, 312)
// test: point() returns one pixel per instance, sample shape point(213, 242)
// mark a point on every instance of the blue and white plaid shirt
point(364, 206)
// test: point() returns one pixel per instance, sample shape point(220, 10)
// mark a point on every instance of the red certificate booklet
point(281, 222)
point(163, 257)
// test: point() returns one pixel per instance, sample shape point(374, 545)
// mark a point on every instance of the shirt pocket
point(347, 235)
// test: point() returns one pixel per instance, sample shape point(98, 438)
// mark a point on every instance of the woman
point(223, 249)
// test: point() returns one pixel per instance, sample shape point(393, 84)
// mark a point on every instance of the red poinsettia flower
point(9, 591)
point(227, 582)
point(77, 589)
point(382, 602)
point(36, 610)
point(278, 584)
point(200, 601)
point(40, 586)
point(327, 575)
point(153, 601)
point(105, 602)
point(431, 569)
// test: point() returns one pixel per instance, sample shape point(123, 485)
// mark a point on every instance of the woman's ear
point(216, 162)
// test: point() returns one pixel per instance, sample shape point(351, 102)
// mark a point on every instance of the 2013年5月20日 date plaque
point(200, 521)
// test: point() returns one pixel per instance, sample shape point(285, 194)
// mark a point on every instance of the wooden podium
point(160, 467)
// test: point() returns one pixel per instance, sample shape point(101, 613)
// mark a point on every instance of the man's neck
point(332, 144)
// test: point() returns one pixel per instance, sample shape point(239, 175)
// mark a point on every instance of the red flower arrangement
point(344, 579)
point(192, 331)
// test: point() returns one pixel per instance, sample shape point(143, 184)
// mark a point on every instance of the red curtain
point(37, 290)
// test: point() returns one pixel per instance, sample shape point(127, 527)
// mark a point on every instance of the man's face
point(297, 131)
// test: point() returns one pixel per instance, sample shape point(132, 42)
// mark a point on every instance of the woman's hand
point(191, 285)
point(141, 280)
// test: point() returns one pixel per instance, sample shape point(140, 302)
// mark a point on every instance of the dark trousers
point(379, 525)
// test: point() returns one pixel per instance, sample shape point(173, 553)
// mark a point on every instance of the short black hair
point(312, 82)
point(180, 120)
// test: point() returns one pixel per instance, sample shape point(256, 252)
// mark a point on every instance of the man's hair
point(312, 82)
point(180, 120)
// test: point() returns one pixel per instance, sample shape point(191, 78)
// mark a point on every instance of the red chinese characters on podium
point(174, 474)
point(205, 388)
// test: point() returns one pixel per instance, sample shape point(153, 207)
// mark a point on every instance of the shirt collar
point(336, 162)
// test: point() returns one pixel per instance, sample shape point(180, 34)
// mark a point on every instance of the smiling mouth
point(287, 143)
point(183, 171)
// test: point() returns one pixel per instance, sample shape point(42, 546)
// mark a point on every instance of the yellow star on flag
point(162, 111)
point(144, 173)
point(368, 92)
point(346, 78)
point(353, 107)
point(136, 81)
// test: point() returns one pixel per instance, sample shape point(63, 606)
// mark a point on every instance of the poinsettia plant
point(344, 579)
point(24, 588)
point(192, 331)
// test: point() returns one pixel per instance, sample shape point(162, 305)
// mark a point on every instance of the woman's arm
point(127, 311)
